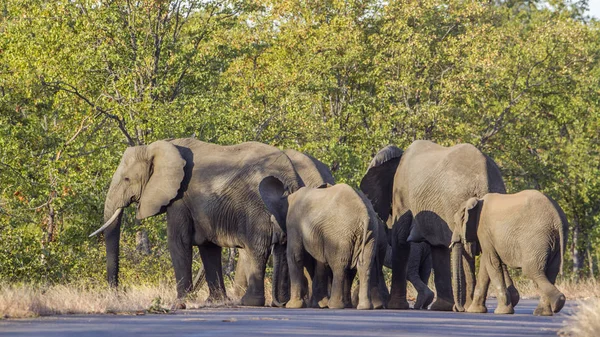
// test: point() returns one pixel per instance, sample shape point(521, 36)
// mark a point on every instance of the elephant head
point(148, 175)
point(466, 221)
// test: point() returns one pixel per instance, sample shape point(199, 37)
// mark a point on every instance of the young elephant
point(526, 230)
point(335, 225)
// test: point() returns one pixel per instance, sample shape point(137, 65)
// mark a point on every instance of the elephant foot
point(320, 304)
point(477, 308)
point(424, 299)
point(250, 300)
point(364, 305)
point(377, 303)
point(442, 305)
point(336, 304)
point(278, 304)
point(543, 311)
point(558, 303)
point(215, 298)
point(514, 295)
point(295, 303)
point(398, 303)
point(504, 310)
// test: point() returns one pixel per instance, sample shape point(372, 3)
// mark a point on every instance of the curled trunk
point(457, 276)
point(281, 276)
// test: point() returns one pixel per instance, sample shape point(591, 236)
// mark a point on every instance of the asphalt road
point(295, 322)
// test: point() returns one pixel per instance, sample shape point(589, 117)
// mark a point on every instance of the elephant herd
point(427, 206)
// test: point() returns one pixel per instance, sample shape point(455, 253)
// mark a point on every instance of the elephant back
point(312, 172)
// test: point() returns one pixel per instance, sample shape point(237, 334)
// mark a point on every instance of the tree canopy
point(339, 79)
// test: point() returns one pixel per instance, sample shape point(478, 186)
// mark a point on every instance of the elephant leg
point(255, 268)
point(320, 281)
point(309, 276)
point(557, 299)
point(280, 281)
point(494, 267)
point(379, 291)
point(400, 256)
point(211, 259)
point(419, 270)
point(469, 271)
point(295, 257)
point(350, 275)
point(551, 299)
point(440, 257)
point(481, 289)
point(180, 249)
point(364, 276)
point(510, 286)
point(240, 279)
point(336, 300)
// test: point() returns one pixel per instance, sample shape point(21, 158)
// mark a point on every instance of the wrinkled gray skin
point(210, 194)
point(418, 272)
point(312, 173)
point(423, 187)
point(336, 226)
point(524, 230)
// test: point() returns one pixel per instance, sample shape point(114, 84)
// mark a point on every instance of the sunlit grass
point(22, 300)
point(585, 322)
point(26, 300)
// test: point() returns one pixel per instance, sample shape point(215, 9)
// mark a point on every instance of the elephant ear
point(470, 219)
point(166, 174)
point(378, 182)
point(274, 196)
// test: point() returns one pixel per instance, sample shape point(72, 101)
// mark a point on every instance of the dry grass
point(583, 289)
point(585, 322)
point(18, 301)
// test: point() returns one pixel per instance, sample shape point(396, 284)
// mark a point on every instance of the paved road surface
point(301, 322)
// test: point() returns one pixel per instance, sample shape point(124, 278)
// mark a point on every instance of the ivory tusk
point(108, 223)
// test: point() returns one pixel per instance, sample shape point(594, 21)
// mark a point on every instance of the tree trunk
point(590, 259)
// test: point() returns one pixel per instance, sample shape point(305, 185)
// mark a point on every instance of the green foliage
point(81, 80)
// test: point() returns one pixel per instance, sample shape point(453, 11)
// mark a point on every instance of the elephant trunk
point(457, 275)
point(281, 276)
point(112, 236)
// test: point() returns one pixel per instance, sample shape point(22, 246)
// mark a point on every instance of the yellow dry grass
point(585, 322)
point(572, 289)
point(23, 300)
point(18, 301)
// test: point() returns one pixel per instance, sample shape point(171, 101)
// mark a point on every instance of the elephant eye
point(126, 179)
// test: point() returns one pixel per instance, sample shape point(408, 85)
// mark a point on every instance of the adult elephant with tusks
point(210, 194)
point(421, 189)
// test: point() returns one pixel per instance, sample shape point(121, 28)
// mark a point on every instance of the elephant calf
point(336, 226)
point(524, 230)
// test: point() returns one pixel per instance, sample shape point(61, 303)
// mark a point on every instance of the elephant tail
point(562, 237)
point(361, 260)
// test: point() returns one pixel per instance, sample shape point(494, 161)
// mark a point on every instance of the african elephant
point(421, 189)
point(335, 225)
point(526, 230)
point(210, 194)
point(312, 173)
